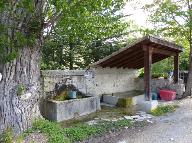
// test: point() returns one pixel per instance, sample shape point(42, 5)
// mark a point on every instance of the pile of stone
point(139, 117)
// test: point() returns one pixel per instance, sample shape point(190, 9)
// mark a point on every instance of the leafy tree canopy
point(85, 36)
point(30, 19)
point(171, 20)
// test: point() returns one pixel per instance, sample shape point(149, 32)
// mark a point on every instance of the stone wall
point(111, 80)
point(105, 81)
point(157, 84)
point(51, 77)
point(102, 81)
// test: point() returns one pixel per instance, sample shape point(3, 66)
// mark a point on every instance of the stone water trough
point(124, 99)
point(64, 110)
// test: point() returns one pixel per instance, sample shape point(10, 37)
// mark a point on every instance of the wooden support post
point(176, 68)
point(147, 72)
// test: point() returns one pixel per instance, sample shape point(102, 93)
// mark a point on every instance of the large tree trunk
point(188, 91)
point(20, 85)
point(189, 78)
point(17, 111)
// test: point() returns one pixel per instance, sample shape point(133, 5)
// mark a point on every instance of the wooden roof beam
point(124, 59)
point(160, 51)
point(130, 60)
point(115, 57)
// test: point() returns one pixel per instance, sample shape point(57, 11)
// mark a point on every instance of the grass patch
point(53, 131)
point(7, 136)
point(79, 132)
point(83, 131)
point(162, 110)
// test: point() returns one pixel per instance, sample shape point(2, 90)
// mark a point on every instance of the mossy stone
point(125, 102)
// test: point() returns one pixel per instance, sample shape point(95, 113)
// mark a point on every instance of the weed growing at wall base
point(53, 131)
point(162, 110)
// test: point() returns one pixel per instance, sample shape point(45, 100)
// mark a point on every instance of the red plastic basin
point(167, 95)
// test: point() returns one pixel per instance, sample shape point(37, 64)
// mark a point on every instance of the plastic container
point(154, 96)
point(72, 94)
point(167, 95)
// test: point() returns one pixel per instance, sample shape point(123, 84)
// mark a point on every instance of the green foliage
point(21, 89)
point(141, 75)
point(78, 132)
point(85, 35)
point(161, 110)
point(160, 72)
point(19, 139)
point(7, 136)
point(53, 131)
point(83, 131)
point(163, 67)
point(17, 30)
point(170, 19)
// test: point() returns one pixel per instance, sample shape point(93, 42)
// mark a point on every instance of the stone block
point(64, 110)
point(148, 106)
point(109, 99)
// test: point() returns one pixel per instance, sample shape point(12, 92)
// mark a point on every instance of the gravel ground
point(173, 128)
point(116, 135)
point(36, 138)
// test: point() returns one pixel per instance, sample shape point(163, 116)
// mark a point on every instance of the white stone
point(140, 119)
point(128, 117)
point(93, 122)
point(126, 127)
point(149, 121)
point(1, 76)
point(26, 96)
point(141, 113)
point(114, 120)
point(122, 142)
point(172, 139)
point(135, 117)
point(148, 106)
point(108, 120)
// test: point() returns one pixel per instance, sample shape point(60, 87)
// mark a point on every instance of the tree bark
point(18, 111)
point(188, 91)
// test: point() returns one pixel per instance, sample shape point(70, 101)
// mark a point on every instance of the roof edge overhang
point(150, 39)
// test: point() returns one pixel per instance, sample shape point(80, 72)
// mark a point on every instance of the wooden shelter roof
point(133, 55)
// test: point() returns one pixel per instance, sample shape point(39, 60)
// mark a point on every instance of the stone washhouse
point(142, 54)
point(116, 77)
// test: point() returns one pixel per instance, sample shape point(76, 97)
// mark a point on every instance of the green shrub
point(80, 132)
point(141, 75)
point(7, 136)
point(161, 110)
point(53, 131)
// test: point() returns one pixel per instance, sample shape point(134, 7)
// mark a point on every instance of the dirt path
point(173, 128)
